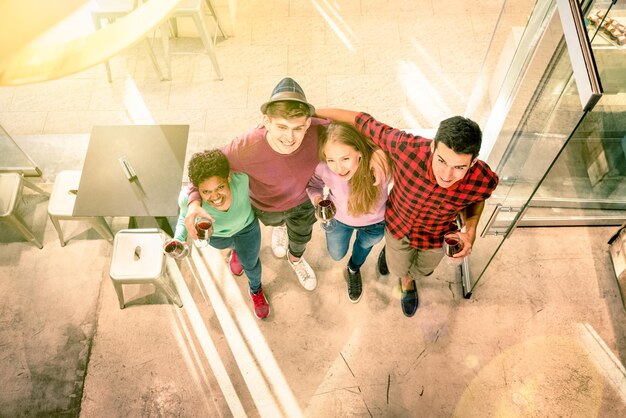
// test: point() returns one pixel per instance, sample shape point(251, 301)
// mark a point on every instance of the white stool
point(138, 259)
point(194, 9)
point(62, 202)
point(114, 9)
point(11, 186)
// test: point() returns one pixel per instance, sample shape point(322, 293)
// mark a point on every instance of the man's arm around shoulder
point(337, 115)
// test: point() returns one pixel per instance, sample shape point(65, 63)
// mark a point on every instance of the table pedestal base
point(152, 222)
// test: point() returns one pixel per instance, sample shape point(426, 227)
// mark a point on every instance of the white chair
point(138, 259)
point(11, 186)
point(61, 205)
point(194, 10)
point(209, 6)
point(115, 9)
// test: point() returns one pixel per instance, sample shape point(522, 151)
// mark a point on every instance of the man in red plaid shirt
point(433, 181)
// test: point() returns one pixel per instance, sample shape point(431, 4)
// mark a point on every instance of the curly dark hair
point(460, 134)
point(206, 164)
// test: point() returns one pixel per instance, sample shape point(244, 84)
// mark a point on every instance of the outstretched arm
point(194, 210)
point(337, 115)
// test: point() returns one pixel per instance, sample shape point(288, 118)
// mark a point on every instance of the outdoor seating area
point(100, 320)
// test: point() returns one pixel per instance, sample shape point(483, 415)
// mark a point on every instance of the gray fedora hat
point(288, 89)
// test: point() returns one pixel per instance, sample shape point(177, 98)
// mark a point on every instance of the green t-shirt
point(227, 223)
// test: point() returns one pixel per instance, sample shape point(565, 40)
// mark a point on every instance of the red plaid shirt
point(418, 208)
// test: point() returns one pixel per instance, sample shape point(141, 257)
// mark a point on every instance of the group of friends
point(384, 182)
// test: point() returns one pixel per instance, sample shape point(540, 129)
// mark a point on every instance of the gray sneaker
point(305, 273)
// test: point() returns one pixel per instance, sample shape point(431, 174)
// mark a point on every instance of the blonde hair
point(363, 193)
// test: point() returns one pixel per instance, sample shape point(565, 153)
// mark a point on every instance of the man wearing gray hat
point(279, 158)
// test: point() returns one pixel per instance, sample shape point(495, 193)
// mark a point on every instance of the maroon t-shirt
point(278, 182)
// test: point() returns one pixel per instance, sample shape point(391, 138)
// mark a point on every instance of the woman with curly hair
point(225, 197)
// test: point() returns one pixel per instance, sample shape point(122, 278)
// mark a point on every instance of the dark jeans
point(247, 244)
point(299, 222)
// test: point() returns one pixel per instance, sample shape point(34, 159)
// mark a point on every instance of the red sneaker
point(261, 307)
point(235, 266)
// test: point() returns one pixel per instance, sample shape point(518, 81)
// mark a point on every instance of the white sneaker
point(280, 241)
point(305, 273)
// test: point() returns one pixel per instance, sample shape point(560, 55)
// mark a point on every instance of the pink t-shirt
point(277, 181)
point(339, 192)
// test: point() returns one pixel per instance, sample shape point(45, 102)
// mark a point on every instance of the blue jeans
point(338, 242)
point(247, 244)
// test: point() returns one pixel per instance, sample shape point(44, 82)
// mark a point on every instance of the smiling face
point(285, 135)
point(449, 166)
point(216, 192)
point(342, 159)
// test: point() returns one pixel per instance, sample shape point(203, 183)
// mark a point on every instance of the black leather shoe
point(354, 285)
point(382, 263)
point(409, 300)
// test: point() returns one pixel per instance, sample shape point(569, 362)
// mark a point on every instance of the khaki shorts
point(403, 260)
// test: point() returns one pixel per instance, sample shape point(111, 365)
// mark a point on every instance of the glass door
point(587, 184)
point(532, 120)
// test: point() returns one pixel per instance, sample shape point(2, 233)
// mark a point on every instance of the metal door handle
point(492, 219)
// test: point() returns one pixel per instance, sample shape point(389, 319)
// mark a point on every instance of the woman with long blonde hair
point(344, 171)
